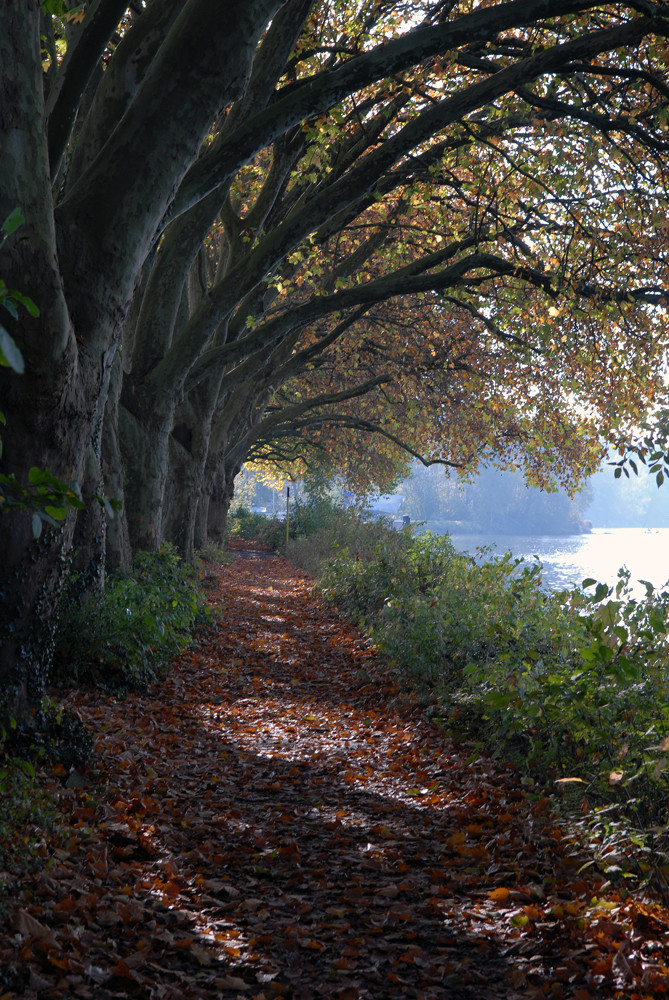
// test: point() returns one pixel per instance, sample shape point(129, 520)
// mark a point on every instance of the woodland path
point(276, 819)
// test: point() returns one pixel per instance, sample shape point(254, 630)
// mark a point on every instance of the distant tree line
point(493, 501)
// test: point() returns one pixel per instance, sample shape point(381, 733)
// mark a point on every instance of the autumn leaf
point(500, 895)
point(287, 873)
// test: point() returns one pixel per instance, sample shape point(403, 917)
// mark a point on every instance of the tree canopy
point(297, 229)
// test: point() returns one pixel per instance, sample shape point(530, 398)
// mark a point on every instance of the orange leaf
point(499, 895)
point(313, 945)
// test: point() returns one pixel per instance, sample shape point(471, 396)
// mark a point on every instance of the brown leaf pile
point(276, 820)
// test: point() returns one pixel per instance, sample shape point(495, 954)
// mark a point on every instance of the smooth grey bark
point(154, 385)
point(149, 406)
point(118, 552)
point(80, 260)
point(30, 570)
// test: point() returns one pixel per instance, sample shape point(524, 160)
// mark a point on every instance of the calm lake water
point(570, 559)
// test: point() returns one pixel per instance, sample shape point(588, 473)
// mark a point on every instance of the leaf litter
point(277, 819)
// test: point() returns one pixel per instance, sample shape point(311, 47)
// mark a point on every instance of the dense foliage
point(573, 686)
point(279, 228)
point(126, 634)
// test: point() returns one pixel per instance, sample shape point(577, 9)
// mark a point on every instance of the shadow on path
point(276, 819)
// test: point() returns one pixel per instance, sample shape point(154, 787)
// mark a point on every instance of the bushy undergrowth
point(317, 526)
point(28, 816)
point(124, 636)
point(268, 531)
point(573, 686)
point(321, 527)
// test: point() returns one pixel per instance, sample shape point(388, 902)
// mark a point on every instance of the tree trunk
point(220, 501)
point(188, 480)
point(89, 544)
point(80, 261)
point(119, 552)
point(200, 534)
point(181, 500)
point(144, 444)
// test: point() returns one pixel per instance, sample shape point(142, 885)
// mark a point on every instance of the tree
point(243, 194)
point(275, 231)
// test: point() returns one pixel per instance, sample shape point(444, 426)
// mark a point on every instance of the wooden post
point(287, 510)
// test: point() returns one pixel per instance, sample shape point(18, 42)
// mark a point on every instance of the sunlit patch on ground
point(276, 819)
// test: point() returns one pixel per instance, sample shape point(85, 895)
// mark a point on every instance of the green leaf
point(10, 355)
point(36, 475)
point(58, 513)
point(56, 7)
point(37, 525)
point(13, 221)
point(26, 302)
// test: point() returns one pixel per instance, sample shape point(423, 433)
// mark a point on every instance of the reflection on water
point(570, 559)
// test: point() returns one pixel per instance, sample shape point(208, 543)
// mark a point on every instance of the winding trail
point(277, 819)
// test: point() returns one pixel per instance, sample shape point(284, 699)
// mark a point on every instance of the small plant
point(244, 523)
point(29, 814)
point(269, 532)
point(322, 529)
point(125, 636)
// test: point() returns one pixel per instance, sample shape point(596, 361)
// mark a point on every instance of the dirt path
point(276, 820)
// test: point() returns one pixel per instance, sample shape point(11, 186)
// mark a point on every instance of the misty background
point(501, 502)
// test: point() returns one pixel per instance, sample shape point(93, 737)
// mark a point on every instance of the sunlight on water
point(570, 559)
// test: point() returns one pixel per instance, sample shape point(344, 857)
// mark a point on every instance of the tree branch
point(78, 66)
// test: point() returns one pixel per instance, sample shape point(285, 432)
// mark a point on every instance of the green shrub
point(267, 531)
point(243, 523)
point(272, 533)
point(433, 611)
point(28, 816)
point(322, 529)
point(126, 635)
point(594, 699)
point(572, 685)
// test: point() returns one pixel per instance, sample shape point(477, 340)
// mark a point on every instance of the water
point(570, 559)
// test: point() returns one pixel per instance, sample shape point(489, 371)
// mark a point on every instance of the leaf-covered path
point(277, 820)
